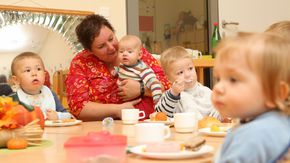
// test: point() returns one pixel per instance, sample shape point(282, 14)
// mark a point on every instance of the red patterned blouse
point(89, 79)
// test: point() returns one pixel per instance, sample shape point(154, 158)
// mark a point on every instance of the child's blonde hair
point(268, 56)
point(132, 40)
point(21, 57)
point(281, 28)
point(171, 55)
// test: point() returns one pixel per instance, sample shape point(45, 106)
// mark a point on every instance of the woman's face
point(105, 46)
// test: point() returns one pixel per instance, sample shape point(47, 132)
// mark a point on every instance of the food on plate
point(208, 122)
point(63, 120)
point(17, 143)
point(164, 147)
point(68, 120)
point(215, 128)
point(158, 116)
point(194, 143)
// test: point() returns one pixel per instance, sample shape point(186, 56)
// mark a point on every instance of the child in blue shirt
point(252, 84)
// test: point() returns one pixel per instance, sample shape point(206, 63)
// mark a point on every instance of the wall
point(114, 10)
point(56, 59)
point(253, 16)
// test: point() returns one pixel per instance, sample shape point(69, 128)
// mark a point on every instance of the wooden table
point(55, 153)
point(200, 64)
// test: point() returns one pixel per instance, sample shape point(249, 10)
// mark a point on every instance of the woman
point(92, 90)
point(5, 88)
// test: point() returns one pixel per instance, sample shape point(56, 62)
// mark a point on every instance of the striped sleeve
point(151, 82)
point(167, 104)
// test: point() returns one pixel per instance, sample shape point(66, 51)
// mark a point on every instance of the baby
point(132, 67)
point(186, 94)
point(253, 83)
point(281, 28)
point(28, 73)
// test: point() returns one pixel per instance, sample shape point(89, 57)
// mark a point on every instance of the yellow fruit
point(208, 122)
point(215, 128)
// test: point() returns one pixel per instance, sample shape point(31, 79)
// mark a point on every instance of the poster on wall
point(146, 23)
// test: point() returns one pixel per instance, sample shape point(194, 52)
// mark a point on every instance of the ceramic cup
point(185, 122)
point(131, 116)
point(151, 132)
point(195, 53)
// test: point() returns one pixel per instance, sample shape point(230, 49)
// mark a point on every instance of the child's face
point(238, 92)
point(182, 70)
point(30, 75)
point(129, 55)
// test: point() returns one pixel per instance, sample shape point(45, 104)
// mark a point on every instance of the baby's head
point(178, 63)
point(252, 73)
point(129, 50)
point(28, 72)
point(281, 28)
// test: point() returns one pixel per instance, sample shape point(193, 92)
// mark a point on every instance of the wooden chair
point(59, 86)
point(200, 64)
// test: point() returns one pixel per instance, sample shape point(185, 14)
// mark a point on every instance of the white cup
point(185, 122)
point(195, 53)
point(151, 132)
point(131, 116)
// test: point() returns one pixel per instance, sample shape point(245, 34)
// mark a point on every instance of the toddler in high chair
point(252, 85)
point(28, 73)
point(132, 67)
point(186, 93)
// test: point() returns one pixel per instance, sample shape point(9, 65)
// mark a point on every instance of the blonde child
point(281, 28)
point(132, 67)
point(186, 94)
point(253, 82)
point(28, 73)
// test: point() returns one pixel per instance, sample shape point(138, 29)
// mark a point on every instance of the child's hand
point(177, 87)
point(51, 115)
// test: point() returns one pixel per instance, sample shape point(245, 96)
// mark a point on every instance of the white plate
point(207, 131)
point(139, 150)
point(49, 123)
point(169, 121)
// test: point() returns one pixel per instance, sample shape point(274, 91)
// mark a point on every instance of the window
point(162, 24)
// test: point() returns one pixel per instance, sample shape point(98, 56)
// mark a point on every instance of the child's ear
point(140, 54)
point(283, 90)
point(15, 80)
point(283, 94)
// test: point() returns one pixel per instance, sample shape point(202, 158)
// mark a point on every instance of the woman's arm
point(97, 111)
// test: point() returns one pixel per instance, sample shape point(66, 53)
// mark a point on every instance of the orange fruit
point(160, 116)
point(17, 143)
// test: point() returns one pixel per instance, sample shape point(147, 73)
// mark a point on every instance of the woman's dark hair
point(90, 28)
point(3, 78)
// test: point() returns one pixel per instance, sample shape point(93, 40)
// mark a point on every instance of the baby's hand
point(177, 87)
point(51, 115)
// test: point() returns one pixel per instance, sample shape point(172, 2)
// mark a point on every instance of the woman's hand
point(128, 105)
point(128, 89)
point(51, 114)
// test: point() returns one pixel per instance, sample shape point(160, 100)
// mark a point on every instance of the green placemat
point(44, 144)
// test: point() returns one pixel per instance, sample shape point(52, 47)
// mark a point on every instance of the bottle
point(216, 37)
